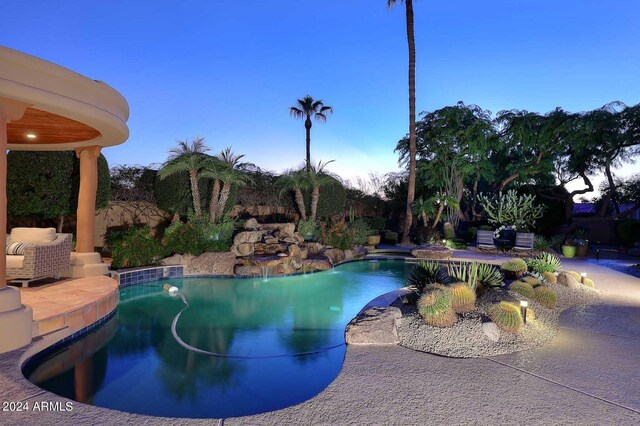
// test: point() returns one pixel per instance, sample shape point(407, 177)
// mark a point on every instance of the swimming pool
point(133, 363)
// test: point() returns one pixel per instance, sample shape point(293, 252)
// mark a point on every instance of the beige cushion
point(33, 235)
point(15, 262)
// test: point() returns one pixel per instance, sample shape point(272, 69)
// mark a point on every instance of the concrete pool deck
point(587, 375)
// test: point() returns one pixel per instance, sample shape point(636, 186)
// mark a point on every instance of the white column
point(15, 318)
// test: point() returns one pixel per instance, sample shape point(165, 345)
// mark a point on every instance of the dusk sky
point(229, 70)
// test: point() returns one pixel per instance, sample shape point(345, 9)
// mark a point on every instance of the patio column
point(87, 198)
point(15, 318)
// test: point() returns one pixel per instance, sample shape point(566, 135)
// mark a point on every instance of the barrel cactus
point(575, 275)
point(514, 267)
point(463, 298)
point(435, 307)
point(546, 297)
point(507, 317)
point(522, 288)
point(531, 280)
point(589, 282)
point(550, 277)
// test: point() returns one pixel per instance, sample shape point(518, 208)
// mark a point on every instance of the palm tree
point(318, 177)
point(226, 170)
point(411, 191)
point(306, 108)
point(424, 209)
point(189, 157)
point(296, 181)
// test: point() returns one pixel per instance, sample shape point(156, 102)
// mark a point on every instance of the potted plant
point(581, 242)
point(569, 248)
point(373, 239)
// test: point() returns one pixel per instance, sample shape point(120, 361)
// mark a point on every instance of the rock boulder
point(375, 326)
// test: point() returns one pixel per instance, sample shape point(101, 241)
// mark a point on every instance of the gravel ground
point(466, 338)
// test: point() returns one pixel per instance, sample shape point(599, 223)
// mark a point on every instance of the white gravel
point(466, 338)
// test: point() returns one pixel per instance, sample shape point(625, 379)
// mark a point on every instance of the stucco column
point(15, 318)
point(87, 198)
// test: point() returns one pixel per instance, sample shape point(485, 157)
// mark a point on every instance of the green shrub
point(134, 247)
point(455, 244)
point(198, 236)
point(308, 228)
point(331, 202)
point(628, 232)
point(427, 235)
point(423, 274)
point(546, 297)
point(463, 298)
point(522, 288)
point(436, 309)
point(540, 243)
point(449, 231)
point(514, 265)
point(360, 231)
point(377, 223)
point(507, 317)
point(173, 194)
point(391, 237)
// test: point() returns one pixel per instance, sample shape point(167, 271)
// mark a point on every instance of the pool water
point(134, 364)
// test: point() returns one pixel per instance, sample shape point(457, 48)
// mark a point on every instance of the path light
point(523, 310)
point(583, 277)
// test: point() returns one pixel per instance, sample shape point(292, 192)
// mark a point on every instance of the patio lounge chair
point(485, 241)
point(36, 253)
point(524, 243)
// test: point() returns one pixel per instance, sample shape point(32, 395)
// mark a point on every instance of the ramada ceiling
point(48, 128)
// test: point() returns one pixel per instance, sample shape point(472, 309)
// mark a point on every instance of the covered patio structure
point(46, 107)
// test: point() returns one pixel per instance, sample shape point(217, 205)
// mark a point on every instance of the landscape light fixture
point(583, 277)
point(523, 310)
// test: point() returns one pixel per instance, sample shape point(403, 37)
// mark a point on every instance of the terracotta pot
point(582, 249)
point(373, 240)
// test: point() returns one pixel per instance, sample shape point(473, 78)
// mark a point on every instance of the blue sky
point(229, 70)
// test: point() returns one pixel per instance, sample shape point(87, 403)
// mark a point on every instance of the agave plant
point(423, 274)
point(489, 275)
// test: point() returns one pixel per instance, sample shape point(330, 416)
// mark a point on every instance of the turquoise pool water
point(133, 363)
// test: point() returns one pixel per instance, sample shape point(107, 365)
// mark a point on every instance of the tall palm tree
point(318, 177)
point(296, 181)
point(411, 191)
point(189, 157)
point(306, 108)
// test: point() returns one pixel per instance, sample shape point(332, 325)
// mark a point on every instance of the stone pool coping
point(394, 385)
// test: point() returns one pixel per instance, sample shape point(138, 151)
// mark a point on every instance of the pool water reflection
point(133, 363)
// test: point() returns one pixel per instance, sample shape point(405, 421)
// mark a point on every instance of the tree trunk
point(300, 203)
point(424, 219)
point(474, 198)
point(307, 126)
point(213, 205)
point(411, 191)
point(437, 219)
point(224, 197)
point(60, 223)
point(610, 192)
point(195, 192)
point(315, 196)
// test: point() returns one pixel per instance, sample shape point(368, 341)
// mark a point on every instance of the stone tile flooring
point(73, 303)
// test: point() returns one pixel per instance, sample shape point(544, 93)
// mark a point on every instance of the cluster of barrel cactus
point(522, 288)
point(545, 296)
point(507, 317)
point(436, 308)
point(463, 298)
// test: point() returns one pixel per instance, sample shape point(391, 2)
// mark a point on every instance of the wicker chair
point(44, 253)
point(485, 241)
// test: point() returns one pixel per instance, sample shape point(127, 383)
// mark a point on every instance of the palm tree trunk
point(315, 196)
point(411, 191)
point(60, 223)
point(213, 205)
point(300, 203)
point(437, 219)
point(195, 192)
point(424, 219)
point(224, 196)
point(307, 126)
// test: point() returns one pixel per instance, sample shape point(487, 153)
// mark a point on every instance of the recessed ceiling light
point(31, 135)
